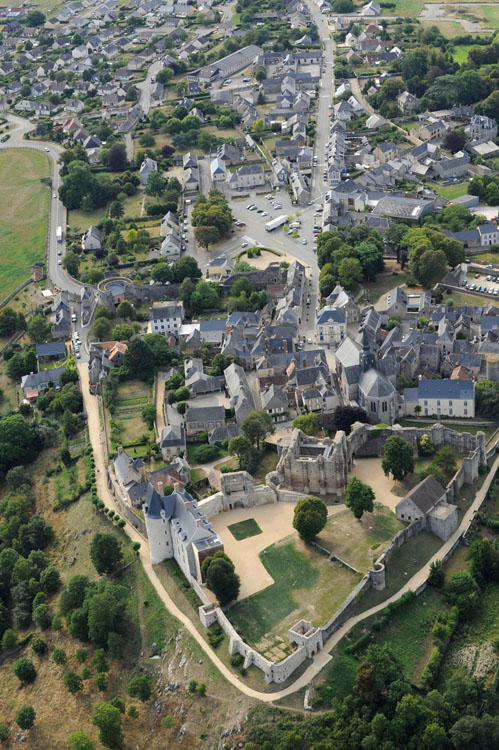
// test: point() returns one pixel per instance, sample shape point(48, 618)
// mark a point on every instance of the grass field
point(460, 52)
point(244, 529)
point(306, 586)
point(488, 257)
point(384, 282)
point(448, 29)
point(24, 203)
point(360, 544)
point(405, 8)
point(449, 192)
point(461, 298)
point(404, 562)
point(491, 14)
point(267, 463)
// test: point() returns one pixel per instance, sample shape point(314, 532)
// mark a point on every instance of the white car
point(54, 195)
point(59, 262)
point(46, 149)
point(265, 213)
point(77, 355)
point(244, 244)
point(309, 340)
point(304, 241)
point(59, 252)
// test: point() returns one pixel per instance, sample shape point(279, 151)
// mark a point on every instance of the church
point(362, 384)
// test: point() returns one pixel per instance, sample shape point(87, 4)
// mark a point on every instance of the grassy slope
point(24, 204)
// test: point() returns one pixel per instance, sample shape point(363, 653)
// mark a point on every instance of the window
point(466, 403)
point(373, 405)
point(466, 412)
point(426, 403)
point(438, 402)
point(384, 406)
point(450, 402)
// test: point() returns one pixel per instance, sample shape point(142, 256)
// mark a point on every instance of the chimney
point(177, 487)
point(198, 522)
point(285, 346)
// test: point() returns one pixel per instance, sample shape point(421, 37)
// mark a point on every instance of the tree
point(105, 552)
point(108, 719)
point(38, 328)
point(71, 263)
point(155, 184)
point(256, 426)
point(487, 398)
point(162, 273)
point(426, 446)
point(116, 158)
point(241, 447)
point(81, 741)
point(73, 681)
point(140, 687)
point(123, 332)
point(149, 415)
point(462, 590)
point(116, 209)
point(454, 140)
point(222, 579)
point(307, 423)
point(24, 670)
point(139, 359)
point(436, 577)
point(399, 459)
point(35, 18)
point(309, 518)
point(260, 73)
point(42, 616)
point(359, 497)
point(26, 717)
point(427, 265)
point(125, 310)
point(345, 416)
point(206, 235)
point(186, 267)
point(349, 273)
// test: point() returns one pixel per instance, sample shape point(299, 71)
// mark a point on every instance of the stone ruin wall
point(329, 476)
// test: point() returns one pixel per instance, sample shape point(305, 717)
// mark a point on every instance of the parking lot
point(484, 283)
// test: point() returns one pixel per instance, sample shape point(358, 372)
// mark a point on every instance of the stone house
point(172, 441)
point(203, 419)
point(450, 398)
point(166, 317)
point(331, 325)
point(407, 103)
point(146, 168)
point(91, 239)
point(275, 402)
point(39, 382)
point(427, 501)
point(49, 352)
point(247, 176)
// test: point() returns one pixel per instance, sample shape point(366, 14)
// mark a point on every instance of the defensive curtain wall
point(310, 466)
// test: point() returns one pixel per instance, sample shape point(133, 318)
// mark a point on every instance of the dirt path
point(322, 658)
point(160, 396)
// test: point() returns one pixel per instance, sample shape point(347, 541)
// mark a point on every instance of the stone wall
point(136, 522)
point(313, 466)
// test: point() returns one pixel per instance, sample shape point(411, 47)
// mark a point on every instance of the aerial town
point(249, 375)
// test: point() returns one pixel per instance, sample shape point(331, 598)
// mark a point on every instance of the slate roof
point(451, 389)
point(51, 349)
point(426, 494)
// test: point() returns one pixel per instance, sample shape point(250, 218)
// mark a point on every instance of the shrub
point(81, 655)
point(39, 646)
point(24, 670)
point(132, 712)
point(167, 721)
point(26, 717)
point(140, 687)
point(59, 656)
point(118, 703)
point(101, 681)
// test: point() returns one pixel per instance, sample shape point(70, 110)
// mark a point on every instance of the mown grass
point(449, 192)
point(24, 205)
point(244, 529)
point(306, 585)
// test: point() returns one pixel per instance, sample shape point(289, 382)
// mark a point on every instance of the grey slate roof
point(426, 494)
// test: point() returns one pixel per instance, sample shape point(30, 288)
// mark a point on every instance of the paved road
point(57, 213)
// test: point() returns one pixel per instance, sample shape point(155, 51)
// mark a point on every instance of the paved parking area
point(485, 283)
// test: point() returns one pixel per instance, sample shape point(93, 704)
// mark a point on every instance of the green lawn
point(244, 529)
point(448, 29)
point(384, 282)
point(488, 257)
point(491, 14)
point(24, 203)
point(412, 125)
point(403, 564)
point(450, 192)
point(360, 544)
point(460, 52)
point(267, 463)
point(306, 586)
point(461, 298)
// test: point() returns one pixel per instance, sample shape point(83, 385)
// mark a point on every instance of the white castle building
point(177, 528)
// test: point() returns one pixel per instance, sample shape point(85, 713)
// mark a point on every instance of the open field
point(306, 585)
point(448, 29)
point(461, 298)
point(449, 192)
point(267, 463)
point(460, 52)
point(244, 529)
point(402, 565)
point(24, 203)
point(360, 544)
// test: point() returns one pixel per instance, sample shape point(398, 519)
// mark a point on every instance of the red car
point(477, 276)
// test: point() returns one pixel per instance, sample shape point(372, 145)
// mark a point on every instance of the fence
point(16, 290)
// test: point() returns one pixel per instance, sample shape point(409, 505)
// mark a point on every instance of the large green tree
point(359, 497)
point(108, 719)
point(105, 552)
point(256, 426)
point(221, 577)
point(399, 457)
point(309, 518)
